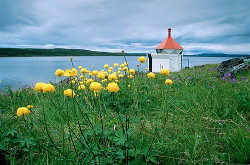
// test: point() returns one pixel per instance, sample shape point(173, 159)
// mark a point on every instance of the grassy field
point(199, 119)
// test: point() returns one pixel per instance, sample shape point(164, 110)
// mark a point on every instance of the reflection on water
point(26, 71)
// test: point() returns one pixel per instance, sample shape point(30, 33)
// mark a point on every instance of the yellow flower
point(30, 106)
point(81, 83)
point(71, 58)
point(125, 64)
point(84, 70)
point(119, 69)
point(123, 51)
point(81, 77)
point(169, 82)
point(129, 86)
point(113, 87)
point(26, 111)
point(95, 87)
point(39, 86)
point(73, 81)
point(120, 75)
point(80, 67)
point(130, 76)
point(59, 73)
point(105, 73)
point(103, 81)
point(164, 72)
point(142, 59)
point(110, 71)
point(125, 68)
point(112, 77)
point(69, 93)
point(94, 72)
point(89, 81)
point(81, 87)
point(119, 72)
point(116, 65)
point(151, 75)
point(122, 65)
point(67, 72)
point(132, 71)
point(146, 69)
point(117, 81)
point(48, 88)
point(22, 111)
point(96, 93)
point(106, 66)
point(110, 68)
point(73, 72)
point(101, 76)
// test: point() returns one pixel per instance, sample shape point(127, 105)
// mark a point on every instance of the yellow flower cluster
point(94, 72)
point(72, 73)
point(81, 87)
point(151, 75)
point(125, 69)
point(30, 106)
point(89, 81)
point(130, 76)
point(169, 82)
point(106, 66)
point(84, 71)
point(132, 71)
point(104, 80)
point(164, 72)
point(116, 65)
point(22, 111)
point(43, 87)
point(142, 59)
point(59, 73)
point(101, 76)
point(113, 87)
point(95, 87)
point(112, 77)
point(69, 93)
point(120, 75)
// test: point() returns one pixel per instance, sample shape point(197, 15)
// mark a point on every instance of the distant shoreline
point(58, 52)
point(27, 52)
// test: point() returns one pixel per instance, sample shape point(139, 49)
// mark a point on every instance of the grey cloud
point(136, 26)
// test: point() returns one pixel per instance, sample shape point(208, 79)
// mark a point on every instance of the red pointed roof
point(169, 43)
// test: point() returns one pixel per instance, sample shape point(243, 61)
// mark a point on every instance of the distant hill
point(28, 52)
point(219, 55)
point(33, 52)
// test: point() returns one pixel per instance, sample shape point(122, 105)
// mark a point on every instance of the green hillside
point(18, 52)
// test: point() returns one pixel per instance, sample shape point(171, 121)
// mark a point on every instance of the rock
point(232, 66)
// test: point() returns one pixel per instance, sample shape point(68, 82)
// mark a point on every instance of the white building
point(168, 55)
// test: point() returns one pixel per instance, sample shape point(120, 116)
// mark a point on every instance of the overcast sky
point(200, 26)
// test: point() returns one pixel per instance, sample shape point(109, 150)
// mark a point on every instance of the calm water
point(26, 71)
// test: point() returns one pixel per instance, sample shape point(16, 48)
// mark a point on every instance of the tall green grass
point(199, 119)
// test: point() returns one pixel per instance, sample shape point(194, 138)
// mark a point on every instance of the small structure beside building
point(168, 55)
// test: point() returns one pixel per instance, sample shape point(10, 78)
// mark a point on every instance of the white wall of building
point(169, 61)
